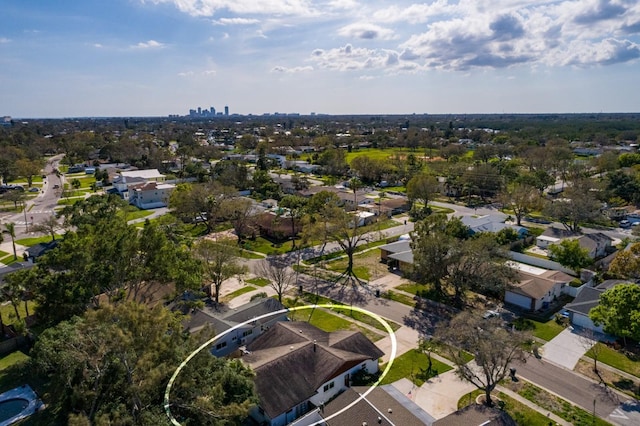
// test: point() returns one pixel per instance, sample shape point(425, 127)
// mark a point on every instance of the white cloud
point(205, 73)
point(235, 21)
point(4, 40)
point(265, 7)
point(98, 45)
point(285, 70)
point(366, 31)
point(151, 44)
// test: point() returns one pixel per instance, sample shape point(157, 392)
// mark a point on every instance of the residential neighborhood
point(407, 271)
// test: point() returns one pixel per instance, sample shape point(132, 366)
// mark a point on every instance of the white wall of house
point(517, 299)
point(581, 320)
point(158, 197)
point(328, 391)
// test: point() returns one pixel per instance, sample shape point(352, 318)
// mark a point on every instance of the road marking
point(618, 414)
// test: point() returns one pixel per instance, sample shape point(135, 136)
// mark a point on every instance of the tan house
point(536, 288)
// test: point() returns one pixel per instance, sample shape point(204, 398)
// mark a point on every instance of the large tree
point(522, 199)
point(493, 347)
point(578, 205)
point(344, 230)
point(111, 367)
point(436, 246)
point(296, 209)
point(619, 311)
point(626, 264)
point(219, 262)
point(421, 188)
point(569, 253)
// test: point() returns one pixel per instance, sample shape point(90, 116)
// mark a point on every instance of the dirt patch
point(369, 260)
point(628, 386)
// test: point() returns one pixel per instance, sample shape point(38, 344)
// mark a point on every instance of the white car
point(490, 314)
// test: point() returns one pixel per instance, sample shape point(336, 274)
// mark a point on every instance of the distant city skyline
point(73, 58)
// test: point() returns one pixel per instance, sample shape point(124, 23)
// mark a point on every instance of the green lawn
point(134, 213)
point(522, 414)
point(32, 241)
point(401, 298)
point(265, 246)
point(246, 254)
point(357, 316)
point(7, 260)
point(259, 281)
point(69, 201)
point(4, 254)
point(9, 314)
point(412, 365)
point(381, 154)
point(14, 370)
point(238, 292)
point(547, 330)
point(616, 359)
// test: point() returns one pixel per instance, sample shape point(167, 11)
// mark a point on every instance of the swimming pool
point(17, 404)
point(12, 407)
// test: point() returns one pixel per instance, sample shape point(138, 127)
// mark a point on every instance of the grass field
point(522, 414)
point(616, 359)
point(547, 330)
point(412, 365)
point(238, 292)
point(9, 314)
point(264, 246)
point(382, 154)
point(367, 265)
point(259, 281)
point(32, 241)
point(13, 370)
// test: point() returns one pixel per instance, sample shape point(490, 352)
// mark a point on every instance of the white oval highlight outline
point(385, 324)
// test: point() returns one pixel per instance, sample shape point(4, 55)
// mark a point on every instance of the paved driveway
point(566, 348)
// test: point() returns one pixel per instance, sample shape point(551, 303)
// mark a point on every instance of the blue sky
point(69, 58)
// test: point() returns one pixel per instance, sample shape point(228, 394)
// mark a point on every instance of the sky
point(78, 58)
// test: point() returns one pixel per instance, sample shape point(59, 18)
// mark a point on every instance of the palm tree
point(11, 230)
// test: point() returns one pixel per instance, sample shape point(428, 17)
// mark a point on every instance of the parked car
point(56, 186)
point(34, 189)
point(490, 314)
point(624, 223)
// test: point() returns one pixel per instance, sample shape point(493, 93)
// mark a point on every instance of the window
point(328, 386)
point(247, 333)
point(233, 339)
point(221, 345)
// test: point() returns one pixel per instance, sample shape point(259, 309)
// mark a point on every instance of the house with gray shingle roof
point(299, 367)
point(587, 299)
point(221, 319)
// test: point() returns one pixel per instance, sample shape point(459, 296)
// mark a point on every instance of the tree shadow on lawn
point(426, 321)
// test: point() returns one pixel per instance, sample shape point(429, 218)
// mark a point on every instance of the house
point(223, 319)
point(134, 177)
point(536, 288)
point(553, 235)
point(277, 227)
point(150, 195)
point(490, 223)
point(143, 188)
point(597, 243)
point(587, 299)
point(299, 367)
point(364, 218)
point(384, 405)
point(397, 255)
point(37, 250)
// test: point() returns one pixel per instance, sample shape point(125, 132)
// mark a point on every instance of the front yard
point(412, 365)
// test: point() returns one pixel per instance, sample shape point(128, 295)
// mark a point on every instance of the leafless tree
point(280, 276)
point(493, 348)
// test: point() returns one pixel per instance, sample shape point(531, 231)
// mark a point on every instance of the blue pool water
point(12, 407)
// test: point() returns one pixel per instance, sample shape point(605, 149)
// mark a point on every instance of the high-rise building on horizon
point(226, 110)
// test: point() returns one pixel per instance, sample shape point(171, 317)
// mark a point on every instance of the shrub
point(523, 324)
point(261, 295)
